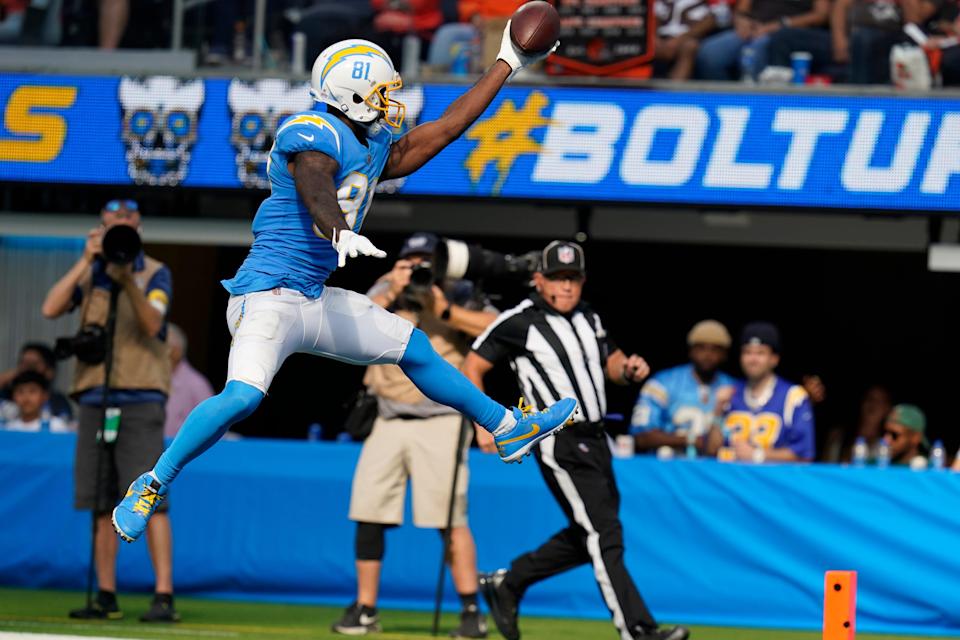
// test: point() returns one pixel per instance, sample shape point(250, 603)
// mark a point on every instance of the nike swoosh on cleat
point(306, 137)
point(534, 430)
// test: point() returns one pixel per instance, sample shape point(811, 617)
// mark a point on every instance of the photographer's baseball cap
point(422, 242)
point(761, 333)
point(560, 256)
point(709, 332)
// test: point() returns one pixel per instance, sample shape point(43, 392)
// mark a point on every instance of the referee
point(558, 348)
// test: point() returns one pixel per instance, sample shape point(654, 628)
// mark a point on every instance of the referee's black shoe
point(676, 633)
point(502, 601)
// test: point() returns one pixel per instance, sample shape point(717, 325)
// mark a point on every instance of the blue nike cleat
point(131, 515)
point(533, 427)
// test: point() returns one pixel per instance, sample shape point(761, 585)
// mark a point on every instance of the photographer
point(136, 392)
point(414, 437)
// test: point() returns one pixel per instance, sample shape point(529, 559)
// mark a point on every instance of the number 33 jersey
point(784, 419)
point(288, 250)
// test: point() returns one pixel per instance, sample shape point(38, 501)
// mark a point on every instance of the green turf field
point(45, 612)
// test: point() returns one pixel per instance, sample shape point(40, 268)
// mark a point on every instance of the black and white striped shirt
point(554, 355)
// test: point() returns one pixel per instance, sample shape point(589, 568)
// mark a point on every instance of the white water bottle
point(938, 455)
point(883, 454)
point(860, 452)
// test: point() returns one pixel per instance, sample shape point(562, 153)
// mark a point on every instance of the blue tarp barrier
point(727, 544)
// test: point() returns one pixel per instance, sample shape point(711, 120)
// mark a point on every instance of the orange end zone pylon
point(840, 605)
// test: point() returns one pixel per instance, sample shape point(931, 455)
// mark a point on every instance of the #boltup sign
point(569, 144)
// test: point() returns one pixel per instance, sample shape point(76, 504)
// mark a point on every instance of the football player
point(323, 169)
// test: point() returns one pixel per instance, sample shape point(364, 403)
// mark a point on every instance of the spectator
point(113, 22)
point(31, 394)
point(188, 387)
point(490, 17)
point(768, 418)
point(903, 432)
point(415, 439)
point(677, 404)
point(828, 49)
point(558, 348)
point(862, 32)
point(754, 21)
point(875, 405)
point(395, 19)
point(12, 14)
point(38, 357)
point(946, 45)
point(138, 388)
point(681, 25)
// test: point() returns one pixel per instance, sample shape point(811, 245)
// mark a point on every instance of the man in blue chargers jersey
point(675, 406)
point(768, 418)
point(323, 169)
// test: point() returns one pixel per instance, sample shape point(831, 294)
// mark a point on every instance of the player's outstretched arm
point(423, 142)
point(313, 174)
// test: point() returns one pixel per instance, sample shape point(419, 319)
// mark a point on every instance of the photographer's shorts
point(138, 445)
point(269, 326)
point(422, 450)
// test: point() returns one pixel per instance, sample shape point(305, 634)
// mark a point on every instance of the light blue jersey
point(288, 251)
point(675, 401)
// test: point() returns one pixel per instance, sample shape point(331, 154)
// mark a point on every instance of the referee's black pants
point(576, 465)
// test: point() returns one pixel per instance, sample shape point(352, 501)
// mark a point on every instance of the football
point(535, 27)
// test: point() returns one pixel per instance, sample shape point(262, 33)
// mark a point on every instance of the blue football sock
point(205, 425)
point(442, 382)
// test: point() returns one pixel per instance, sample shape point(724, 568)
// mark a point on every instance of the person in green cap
point(903, 432)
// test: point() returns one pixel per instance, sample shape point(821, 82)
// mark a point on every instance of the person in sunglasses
point(904, 431)
point(138, 388)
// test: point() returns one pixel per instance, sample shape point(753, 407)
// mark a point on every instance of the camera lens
point(422, 275)
point(121, 244)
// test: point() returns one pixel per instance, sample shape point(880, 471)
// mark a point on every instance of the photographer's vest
point(139, 361)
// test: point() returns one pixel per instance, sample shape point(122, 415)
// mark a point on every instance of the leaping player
point(323, 169)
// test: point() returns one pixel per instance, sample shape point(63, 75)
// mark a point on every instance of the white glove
point(348, 243)
point(510, 54)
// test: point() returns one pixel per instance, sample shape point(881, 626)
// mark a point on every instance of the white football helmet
point(356, 78)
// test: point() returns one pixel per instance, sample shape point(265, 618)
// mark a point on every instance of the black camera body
point(457, 260)
point(121, 245)
point(89, 345)
point(422, 275)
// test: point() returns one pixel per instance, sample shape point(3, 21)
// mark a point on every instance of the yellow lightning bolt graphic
point(504, 136)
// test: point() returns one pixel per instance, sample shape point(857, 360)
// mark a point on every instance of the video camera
point(121, 245)
point(456, 260)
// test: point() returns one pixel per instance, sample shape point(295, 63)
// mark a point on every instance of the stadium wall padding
point(794, 149)
point(725, 544)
